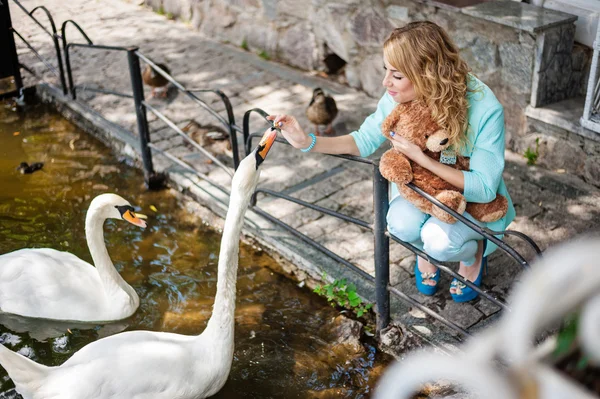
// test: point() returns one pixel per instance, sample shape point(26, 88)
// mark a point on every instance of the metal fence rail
point(55, 40)
point(382, 235)
point(378, 226)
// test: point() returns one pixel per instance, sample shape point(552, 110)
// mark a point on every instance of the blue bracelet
point(312, 144)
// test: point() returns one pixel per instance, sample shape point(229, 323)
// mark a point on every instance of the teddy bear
point(414, 122)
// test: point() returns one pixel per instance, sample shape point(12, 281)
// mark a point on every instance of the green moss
point(244, 45)
point(264, 55)
point(160, 11)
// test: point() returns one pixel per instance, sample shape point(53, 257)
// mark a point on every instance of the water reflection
point(283, 346)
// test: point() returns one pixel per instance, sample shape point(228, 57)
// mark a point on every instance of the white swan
point(50, 284)
point(155, 365)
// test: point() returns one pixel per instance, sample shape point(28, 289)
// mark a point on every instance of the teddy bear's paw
point(399, 178)
point(395, 168)
point(453, 200)
point(492, 217)
point(489, 212)
point(443, 216)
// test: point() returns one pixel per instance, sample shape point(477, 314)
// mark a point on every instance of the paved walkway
point(551, 207)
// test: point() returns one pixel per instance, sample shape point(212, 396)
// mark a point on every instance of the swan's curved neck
point(221, 321)
point(94, 233)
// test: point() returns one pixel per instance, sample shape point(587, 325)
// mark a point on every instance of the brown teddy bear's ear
point(438, 141)
point(390, 121)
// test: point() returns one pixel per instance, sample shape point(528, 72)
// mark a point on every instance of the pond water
point(283, 346)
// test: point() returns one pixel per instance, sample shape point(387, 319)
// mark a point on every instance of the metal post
point(55, 38)
point(71, 86)
point(382, 248)
point(8, 47)
point(152, 180)
point(61, 69)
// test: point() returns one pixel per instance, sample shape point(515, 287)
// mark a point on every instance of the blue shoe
point(464, 293)
point(420, 276)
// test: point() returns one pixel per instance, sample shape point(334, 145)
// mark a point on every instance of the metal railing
point(55, 40)
point(381, 238)
point(378, 226)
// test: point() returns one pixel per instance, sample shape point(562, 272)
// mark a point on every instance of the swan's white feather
point(136, 365)
point(49, 284)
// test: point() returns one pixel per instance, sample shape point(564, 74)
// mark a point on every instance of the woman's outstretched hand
point(291, 130)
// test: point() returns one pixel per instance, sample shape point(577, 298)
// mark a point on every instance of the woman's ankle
point(471, 271)
point(425, 266)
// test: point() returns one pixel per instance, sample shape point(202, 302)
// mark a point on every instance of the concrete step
point(555, 134)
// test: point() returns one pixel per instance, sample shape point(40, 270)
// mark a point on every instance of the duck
point(211, 138)
point(156, 80)
point(26, 169)
point(149, 364)
point(321, 110)
point(55, 285)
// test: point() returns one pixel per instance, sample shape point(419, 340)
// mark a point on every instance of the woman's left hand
point(412, 151)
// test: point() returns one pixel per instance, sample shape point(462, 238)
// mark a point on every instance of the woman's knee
point(438, 243)
point(404, 231)
point(404, 220)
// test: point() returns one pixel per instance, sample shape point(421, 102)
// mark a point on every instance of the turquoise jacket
point(486, 150)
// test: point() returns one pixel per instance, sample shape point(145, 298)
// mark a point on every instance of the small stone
point(396, 340)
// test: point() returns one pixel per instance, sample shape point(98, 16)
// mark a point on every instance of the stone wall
point(302, 33)
point(561, 66)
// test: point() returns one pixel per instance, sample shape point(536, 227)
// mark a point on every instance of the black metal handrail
point(182, 134)
point(371, 228)
point(228, 123)
point(190, 168)
point(152, 179)
point(60, 73)
point(359, 271)
point(48, 65)
point(483, 231)
point(379, 228)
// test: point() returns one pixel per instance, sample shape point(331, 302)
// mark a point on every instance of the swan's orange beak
point(265, 145)
point(135, 218)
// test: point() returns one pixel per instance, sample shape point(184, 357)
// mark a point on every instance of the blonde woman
point(421, 63)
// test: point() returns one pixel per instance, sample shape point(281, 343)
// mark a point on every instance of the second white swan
point(50, 284)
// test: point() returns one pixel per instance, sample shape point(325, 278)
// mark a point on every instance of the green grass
point(531, 155)
point(160, 11)
point(244, 45)
point(170, 15)
point(264, 55)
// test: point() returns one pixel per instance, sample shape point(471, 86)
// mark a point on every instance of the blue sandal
point(464, 293)
point(420, 276)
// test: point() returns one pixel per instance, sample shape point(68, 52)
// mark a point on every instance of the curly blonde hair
point(424, 53)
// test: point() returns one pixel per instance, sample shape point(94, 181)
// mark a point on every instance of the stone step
point(555, 134)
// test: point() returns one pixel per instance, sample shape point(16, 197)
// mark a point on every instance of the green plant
point(567, 339)
point(160, 11)
point(342, 294)
point(170, 15)
point(531, 155)
point(264, 55)
point(244, 45)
